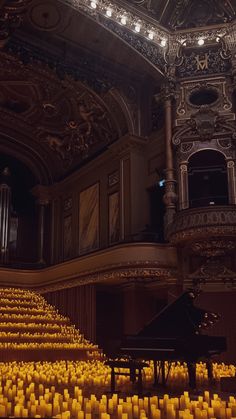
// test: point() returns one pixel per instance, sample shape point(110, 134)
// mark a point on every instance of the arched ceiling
point(59, 70)
point(182, 14)
point(57, 123)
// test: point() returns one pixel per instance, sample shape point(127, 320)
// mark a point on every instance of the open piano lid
point(179, 318)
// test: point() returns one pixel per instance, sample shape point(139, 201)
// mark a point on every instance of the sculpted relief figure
point(92, 126)
point(56, 144)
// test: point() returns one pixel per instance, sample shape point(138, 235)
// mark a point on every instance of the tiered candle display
point(66, 389)
point(76, 390)
point(31, 329)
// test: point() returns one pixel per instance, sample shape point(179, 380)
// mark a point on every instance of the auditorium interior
point(118, 209)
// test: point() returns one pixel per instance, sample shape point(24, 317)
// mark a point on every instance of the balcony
point(208, 231)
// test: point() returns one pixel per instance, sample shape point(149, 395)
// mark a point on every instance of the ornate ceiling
point(73, 80)
point(181, 14)
point(55, 124)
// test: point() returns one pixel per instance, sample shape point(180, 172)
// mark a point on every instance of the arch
point(124, 109)
point(207, 179)
point(28, 156)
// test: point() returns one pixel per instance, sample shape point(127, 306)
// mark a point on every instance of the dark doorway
point(23, 218)
point(207, 179)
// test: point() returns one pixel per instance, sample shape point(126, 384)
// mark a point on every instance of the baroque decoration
point(65, 120)
point(204, 125)
point(213, 271)
point(11, 17)
point(181, 12)
point(118, 274)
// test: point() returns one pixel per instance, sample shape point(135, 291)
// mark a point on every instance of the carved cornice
point(127, 144)
point(117, 273)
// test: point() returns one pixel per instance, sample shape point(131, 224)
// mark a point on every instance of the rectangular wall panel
point(114, 218)
point(67, 237)
point(89, 219)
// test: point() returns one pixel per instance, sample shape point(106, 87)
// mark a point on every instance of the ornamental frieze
point(191, 224)
point(203, 62)
point(117, 275)
point(211, 272)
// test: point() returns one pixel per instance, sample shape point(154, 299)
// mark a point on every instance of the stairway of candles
point(49, 369)
point(31, 329)
point(77, 389)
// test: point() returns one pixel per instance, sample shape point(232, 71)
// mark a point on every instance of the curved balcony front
point(210, 231)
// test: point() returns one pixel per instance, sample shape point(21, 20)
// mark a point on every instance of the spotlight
point(137, 27)
point(123, 20)
point(201, 41)
point(151, 35)
point(218, 39)
point(163, 42)
point(109, 12)
point(93, 4)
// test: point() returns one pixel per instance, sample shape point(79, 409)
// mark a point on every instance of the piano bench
point(135, 372)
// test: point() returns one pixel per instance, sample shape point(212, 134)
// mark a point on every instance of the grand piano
point(176, 334)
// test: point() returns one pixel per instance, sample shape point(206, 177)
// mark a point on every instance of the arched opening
point(22, 223)
point(207, 179)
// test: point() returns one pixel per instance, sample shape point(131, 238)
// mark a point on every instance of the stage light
point(201, 41)
point(151, 35)
point(123, 20)
point(93, 4)
point(109, 12)
point(163, 42)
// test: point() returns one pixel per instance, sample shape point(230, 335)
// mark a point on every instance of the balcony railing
point(197, 223)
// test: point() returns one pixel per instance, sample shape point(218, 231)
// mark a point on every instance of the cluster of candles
point(67, 390)
point(31, 326)
point(28, 322)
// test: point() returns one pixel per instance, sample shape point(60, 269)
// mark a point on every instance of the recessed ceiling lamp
point(123, 20)
point(109, 12)
point(201, 41)
point(93, 4)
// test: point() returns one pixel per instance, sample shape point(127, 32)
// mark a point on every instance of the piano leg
point(163, 373)
point(140, 382)
point(113, 380)
point(209, 370)
point(156, 376)
point(192, 375)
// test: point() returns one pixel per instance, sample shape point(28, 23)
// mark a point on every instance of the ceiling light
point(109, 12)
point(201, 41)
point(137, 27)
point(93, 4)
point(123, 20)
point(218, 39)
point(163, 42)
point(151, 35)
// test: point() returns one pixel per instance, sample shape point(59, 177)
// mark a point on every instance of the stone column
point(41, 225)
point(231, 182)
point(42, 200)
point(170, 196)
point(5, 213)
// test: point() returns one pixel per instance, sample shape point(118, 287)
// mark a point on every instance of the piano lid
point(179, 319)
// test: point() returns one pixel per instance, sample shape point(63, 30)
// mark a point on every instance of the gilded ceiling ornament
point(11, 17)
